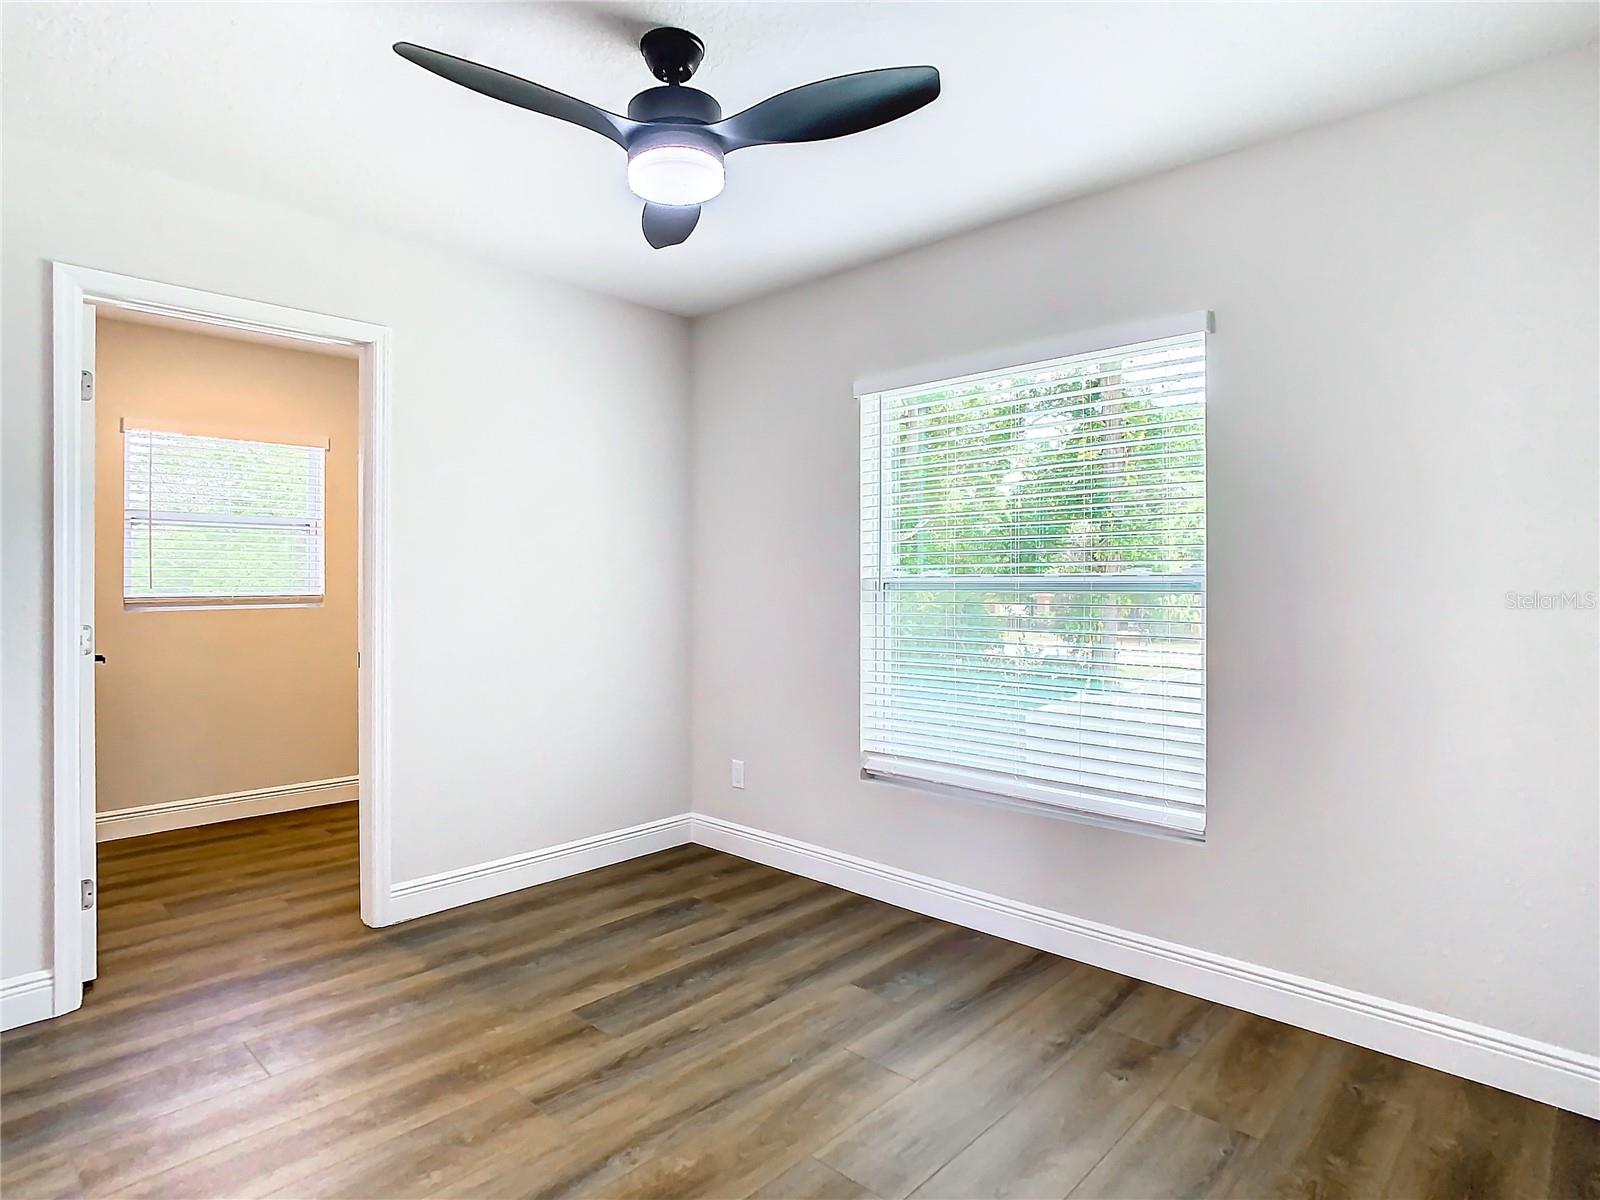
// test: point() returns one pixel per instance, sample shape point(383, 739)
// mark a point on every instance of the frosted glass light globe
point(666, 174)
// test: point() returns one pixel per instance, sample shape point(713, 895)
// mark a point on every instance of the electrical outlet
point(736, 774)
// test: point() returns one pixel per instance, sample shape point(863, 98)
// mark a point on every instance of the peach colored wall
point(202, 702)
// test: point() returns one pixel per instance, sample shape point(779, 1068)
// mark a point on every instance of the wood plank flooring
point(688, 1024)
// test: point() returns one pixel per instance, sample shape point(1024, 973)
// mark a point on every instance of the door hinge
point(86, 892)
point(86, 387)
point(85, 639)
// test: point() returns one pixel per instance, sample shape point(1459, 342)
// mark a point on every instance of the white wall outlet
point(736, 772)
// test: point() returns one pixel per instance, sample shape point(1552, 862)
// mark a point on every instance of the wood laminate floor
point(687, 1024)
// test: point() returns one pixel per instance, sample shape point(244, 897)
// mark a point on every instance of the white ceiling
point(307, 105)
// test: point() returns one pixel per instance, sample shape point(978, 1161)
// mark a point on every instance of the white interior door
point(89, 661)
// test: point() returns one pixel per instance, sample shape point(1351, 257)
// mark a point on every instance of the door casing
point(77, 292)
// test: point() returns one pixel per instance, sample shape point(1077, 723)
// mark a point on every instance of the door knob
point(99, 658)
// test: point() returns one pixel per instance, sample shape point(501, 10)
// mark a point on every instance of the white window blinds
point(219, 519)
point(1033, 583)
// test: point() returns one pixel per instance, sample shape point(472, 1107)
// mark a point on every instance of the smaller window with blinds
point(211, 521)
point(1033, 583)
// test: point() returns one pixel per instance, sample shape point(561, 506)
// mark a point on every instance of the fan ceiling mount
point(676, 136)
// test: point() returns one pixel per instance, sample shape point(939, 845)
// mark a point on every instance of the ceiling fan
point(676, 136)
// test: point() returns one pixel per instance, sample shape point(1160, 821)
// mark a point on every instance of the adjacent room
point(225, 572)
point(781, 600)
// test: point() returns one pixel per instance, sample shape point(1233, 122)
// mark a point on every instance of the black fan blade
point(831, 108)
point(668, 224)
point(521, 92)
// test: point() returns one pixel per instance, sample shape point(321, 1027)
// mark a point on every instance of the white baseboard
point(1552, 1074)
point(466, 885)
point(229, 806)
point(25, 999)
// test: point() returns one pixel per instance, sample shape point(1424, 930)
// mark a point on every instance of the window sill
point(1060, 810)
point(218, 603)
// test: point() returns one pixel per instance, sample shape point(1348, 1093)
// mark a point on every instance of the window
point(219, 520)
point(1033, 583)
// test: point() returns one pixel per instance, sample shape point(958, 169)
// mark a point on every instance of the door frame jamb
point(73, 526)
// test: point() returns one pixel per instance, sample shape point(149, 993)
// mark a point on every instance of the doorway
point(87, 302)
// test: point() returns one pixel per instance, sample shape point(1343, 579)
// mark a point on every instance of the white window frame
point(949, 780)
point(317, 526)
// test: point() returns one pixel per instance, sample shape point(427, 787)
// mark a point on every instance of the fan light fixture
point(676, 136)
point(675, 174)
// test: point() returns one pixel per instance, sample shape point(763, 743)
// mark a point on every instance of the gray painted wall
point(1403, 384)
point(540, 492)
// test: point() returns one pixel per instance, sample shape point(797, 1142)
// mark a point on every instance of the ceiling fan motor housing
point(674, 103)
point(675, 117)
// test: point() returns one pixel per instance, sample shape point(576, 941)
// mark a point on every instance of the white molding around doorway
point(75, 288)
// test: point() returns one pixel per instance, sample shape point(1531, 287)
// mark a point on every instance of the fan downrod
point(672, 54)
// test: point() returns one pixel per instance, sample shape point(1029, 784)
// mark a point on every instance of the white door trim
point(73, 532)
